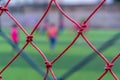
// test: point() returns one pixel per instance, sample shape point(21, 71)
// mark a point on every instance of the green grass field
point(20, 70)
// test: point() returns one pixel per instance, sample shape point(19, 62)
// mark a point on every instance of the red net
point(81, 28)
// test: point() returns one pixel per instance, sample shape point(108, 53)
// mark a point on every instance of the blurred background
point(80, 62)
point(29, 11)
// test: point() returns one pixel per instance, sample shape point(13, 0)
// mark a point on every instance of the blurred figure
point(45, 26)
point(14, 34)
point(52, 33)
point(61, 23)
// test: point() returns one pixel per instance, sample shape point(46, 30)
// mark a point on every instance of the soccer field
point(20, 70)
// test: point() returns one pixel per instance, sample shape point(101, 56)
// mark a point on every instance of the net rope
point(81, 28)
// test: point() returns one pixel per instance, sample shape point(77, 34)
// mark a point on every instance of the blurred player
point(14, 34)
point(52, 33)
point(45, 26)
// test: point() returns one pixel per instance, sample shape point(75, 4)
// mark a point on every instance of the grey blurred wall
point(107, 17)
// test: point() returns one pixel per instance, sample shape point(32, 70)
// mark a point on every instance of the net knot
point(109, 66)
point(0, 77)
point(84, 27)
point(29, 38)
point(48, 64)
point(3, 8)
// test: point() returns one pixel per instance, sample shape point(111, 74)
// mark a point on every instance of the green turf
point(20, 70)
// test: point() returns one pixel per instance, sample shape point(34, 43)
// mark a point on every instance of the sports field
point(20, 70)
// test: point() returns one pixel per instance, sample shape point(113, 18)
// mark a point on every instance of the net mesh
point(80, 29)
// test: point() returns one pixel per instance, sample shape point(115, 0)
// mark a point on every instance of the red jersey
point(52, 31)
point(14, 34)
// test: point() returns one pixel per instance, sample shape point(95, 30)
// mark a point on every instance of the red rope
point(13, 59)
point(45, 13)
point(108, 67)
point(90, 44)
point(4, 8)
point(62, 12)
point(19, 25)
point(81, 27)
point(94, 11)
